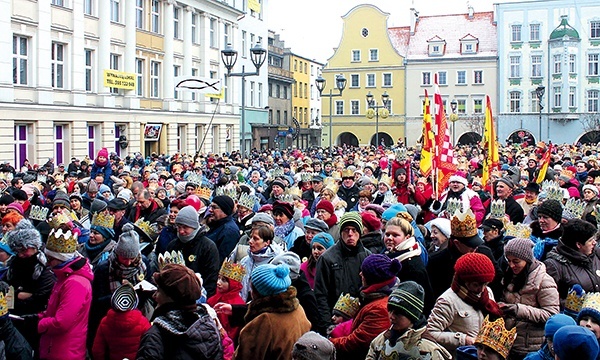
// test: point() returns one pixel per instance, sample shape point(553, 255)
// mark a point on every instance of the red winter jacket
point(230, 297)
point(119, 335)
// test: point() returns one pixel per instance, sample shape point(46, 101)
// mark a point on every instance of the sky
point(313, 28)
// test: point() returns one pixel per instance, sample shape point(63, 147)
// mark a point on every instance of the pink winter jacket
point(63, 326)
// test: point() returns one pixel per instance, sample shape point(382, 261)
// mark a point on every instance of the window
point(226, 40)
point(306, 91)
point(251, 39)
point(58, 2)
point(93, 130)
point(58, 64)
point(534, 32)
point(556, 64)
point(243, 43)
point(572, 63)
point(285, 92)
point(176, 72)
point(154, 79)
point(115, 6)
point(557, 96)
point(176, 30)
point(515, 101)
point(478, 77)
point(88, 7)
point(354, 80)
point(461, 107)
point(468, 48)
point(139, 77)
point(114, 65)
point(88, 69)
point(426, 78)
point(593, 64)
point(278, 117)
point(461, 77)
point(593, 100)
point(252, 86)
point(181, 143)
point(60, 136)
point(20, 59)
point(21, 149)
point(260, 91)
point(213, 27)
point(536, 65)
point(478, 106)
point(442, 78)
point(374, 55)
point(354, 107)
point(387, 79)
point(535, 102)
point(155, 16)
point(339, 107)
point(370, 80)
point(194, 28)
point(594, 29)
point(355, 55)
point(285, 116)
point(572, 98)
point(295, 87)
point(515, 33)
point(515, 66)
point(139, 14)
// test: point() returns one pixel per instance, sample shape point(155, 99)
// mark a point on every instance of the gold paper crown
point(147, 228)
point(294, 190)
point(194, 178)
point(3, 305)
point(60, 218)
point(498, 209)
point(347, 173)
point(385, 179)
point(574, 301)
point(62, 242)
point(573, 209)
point(107, 221)
point(463, 224)
point(494, 335)
point(306, 176)
point(389, 198)
point(476, 180)
point(336, 175)
point(453, 205)
point(39, 213)
point(591, 301)
point(567, 173)
point(233, 271)
point(347, 305)
point(8, 176)
point(60, 177)
point(173, 257)
point(247, 200)
point(204, 192)
point(519, 230)
point(597, 180)
point(331, 183)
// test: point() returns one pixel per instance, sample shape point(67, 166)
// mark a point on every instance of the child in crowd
point(589, 316)
point(320, 242)
point(229, 285)
point(343, 313)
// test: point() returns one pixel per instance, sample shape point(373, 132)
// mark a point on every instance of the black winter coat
point(373, 241)
point(413, 269)
point(302, 249)
point(349, 195)
point(306, 297)
point(15, 345)
point(32, 276)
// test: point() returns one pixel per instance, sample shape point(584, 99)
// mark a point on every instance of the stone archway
point(347, 138)
point(521, 136)
point(590, 137)
point(469, 138)
point(385, 137)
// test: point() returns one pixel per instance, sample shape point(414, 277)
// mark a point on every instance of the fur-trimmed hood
point(285, 302)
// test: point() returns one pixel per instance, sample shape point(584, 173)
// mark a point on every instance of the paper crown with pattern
point(519, 230)
point(173, 257)
point(385, 179)
point(591, 305)
point(226, 191)
point(336, 175)
point(42, 178)
point(247, 200)
point(149, 229)
point(274, 173)
point(294, 190)
point(400, 154)
point(7, 176)
point(347, 305)
point(288, 198)
point(347, 173)
point(477, 180)
point(331, 184)
point(232, 271)
point(567, 173)
point(463, 224)
point(497, 209)
point(204, 192)
point(39, 213)
point(553, 190)
point(306, 176)
point(194, 178)
point(100, 219)
point(389, 198)
point(574, 300)
point(494, 335)
point(64, 217)
point(61, 241)
point(573, 209)
point(453, 205)
point(3, 305)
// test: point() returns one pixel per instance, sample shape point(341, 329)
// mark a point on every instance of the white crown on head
point(553, 190)
point(453, 205)
point(519, 230)
point(288, 198)
point(39, 213)
point(497, 209)
point(227, 191)
point(173, 257)
point(276, 173)
point(573, 209)
point(389, 198)
point(306, 176)
point(194, 178)
point(247, 200)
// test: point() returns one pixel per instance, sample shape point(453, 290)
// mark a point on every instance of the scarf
point(94, 250)
point(118, 272)
point(285, 229)
point(188, 238)
point(331, 221)
point(406, 250)
point(480, 302)
point(228, 297)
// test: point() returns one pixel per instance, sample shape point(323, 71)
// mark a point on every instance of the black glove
point(509, 310)
point(31, 321)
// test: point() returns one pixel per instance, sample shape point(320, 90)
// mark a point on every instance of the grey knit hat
point(292, 260)
point(188, 217)
point(312, 346)
point(263, 218)
point(97, 206)
point(61, 198)
point(316, 224)
point(128, 245)
point(520, 248)
point(24, 236)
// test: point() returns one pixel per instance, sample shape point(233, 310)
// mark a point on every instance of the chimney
point(414, 18)
point(470, 10)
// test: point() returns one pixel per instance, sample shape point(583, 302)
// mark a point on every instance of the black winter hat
point(552, 209)
point(225, 203)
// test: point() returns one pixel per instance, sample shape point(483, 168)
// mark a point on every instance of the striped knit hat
point(351, 218)
point(408, 300)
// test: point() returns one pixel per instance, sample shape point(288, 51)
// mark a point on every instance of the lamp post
point(340, 83)
point(539, 92)
point(229, 57)
point(453, 118)
point(372, 104)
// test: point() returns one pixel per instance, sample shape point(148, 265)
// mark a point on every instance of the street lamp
point(229, 57)
point(372, 104)
point(539, 92)
point(453, 118)
point(340, 83)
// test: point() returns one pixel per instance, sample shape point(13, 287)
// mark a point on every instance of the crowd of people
point(315, 254)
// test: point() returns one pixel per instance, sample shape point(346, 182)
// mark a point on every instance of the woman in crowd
point(285, 227)
point(100, 243)
point(339, 205)
point(326, 212)
point(169, 232)
point(440, 234)
point(530, 297)
point(319, 244)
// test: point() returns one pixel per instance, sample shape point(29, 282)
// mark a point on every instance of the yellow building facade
point(370, 63)
point(300, 68)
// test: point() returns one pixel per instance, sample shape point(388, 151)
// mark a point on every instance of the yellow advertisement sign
point(119, 79)
point(254, 5)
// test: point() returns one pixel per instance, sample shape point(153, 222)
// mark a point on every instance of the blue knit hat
point(104, 231)
point(575, 342)
point(271, 279)
point(393, 211)
point(555, 322)
point(324, 239)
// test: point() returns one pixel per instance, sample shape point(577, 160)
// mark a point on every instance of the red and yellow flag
point(426, 164)
point(544, 166)
point(444, 157)
point(490, 143)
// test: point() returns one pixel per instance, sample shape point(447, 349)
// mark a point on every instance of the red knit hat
point(474, 267)
point(326, 205)
point(103, 152)
point(370, 221)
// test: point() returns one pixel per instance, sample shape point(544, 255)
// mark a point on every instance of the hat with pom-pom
point(555, 322)
point(377, 268)
point(128, 245)
point(271, 279)
point(574, 301)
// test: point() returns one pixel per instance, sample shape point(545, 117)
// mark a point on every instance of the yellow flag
point(490, 143)
point(426, 163)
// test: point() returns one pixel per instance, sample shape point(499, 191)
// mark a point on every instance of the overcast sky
point(312, 28)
